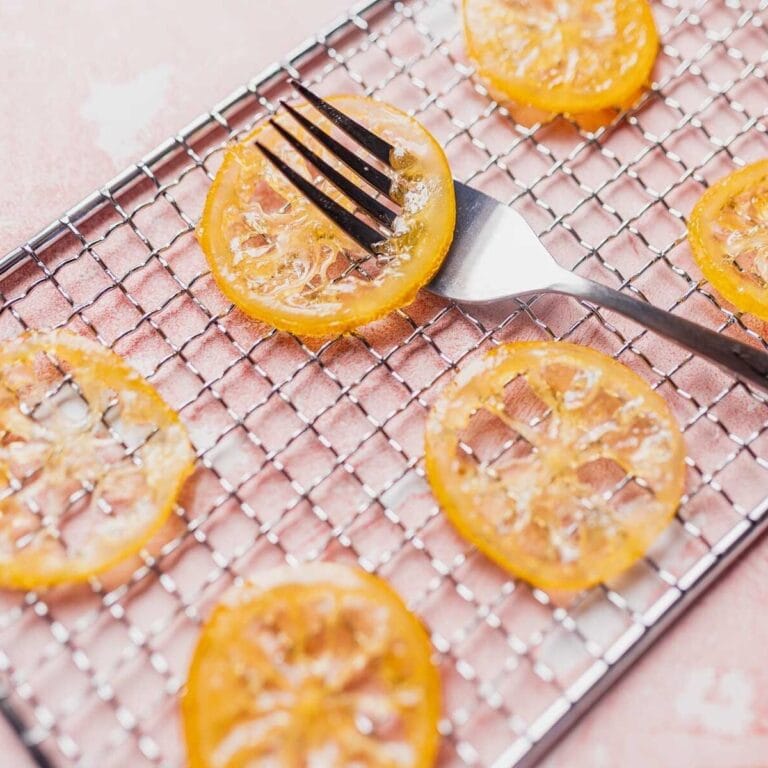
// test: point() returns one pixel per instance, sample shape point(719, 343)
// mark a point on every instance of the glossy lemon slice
point(281, 261)
point(320, 665)
point(728, 232)
point(570, 57)
point(559, 463)
point(91, 460)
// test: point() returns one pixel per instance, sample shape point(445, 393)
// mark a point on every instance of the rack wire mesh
point(313, 449)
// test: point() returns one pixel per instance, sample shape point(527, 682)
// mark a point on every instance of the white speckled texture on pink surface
point(86, 87)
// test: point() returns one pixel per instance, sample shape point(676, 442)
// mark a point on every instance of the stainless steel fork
point(495, 255)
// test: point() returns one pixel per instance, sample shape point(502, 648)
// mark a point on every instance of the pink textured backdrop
point(86, 87)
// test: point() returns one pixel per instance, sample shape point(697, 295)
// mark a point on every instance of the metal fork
point(495, 256)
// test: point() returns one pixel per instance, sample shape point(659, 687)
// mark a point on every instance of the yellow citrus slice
point(728, 232)
point(91, 459)
point(563, 57)
point(557, 462)
point(320, 665)
point(281, 261)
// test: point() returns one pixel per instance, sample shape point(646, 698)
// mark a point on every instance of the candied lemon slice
point(320, 665)
point(281, 261)
point(91, 459)
point(564, 57)
point(556, 461)
point(728, 232)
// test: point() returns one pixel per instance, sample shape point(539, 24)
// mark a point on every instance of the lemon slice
point(558, 462)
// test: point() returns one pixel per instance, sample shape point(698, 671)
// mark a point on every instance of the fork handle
point(747, 362)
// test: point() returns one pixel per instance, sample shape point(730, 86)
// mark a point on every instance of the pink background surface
point(87, 87)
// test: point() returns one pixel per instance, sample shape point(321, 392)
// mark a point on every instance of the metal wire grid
point(313, 450)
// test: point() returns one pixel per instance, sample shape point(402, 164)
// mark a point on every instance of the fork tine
point(370, 205)
point(379, 148)
point(358, 230)
point(365, 171)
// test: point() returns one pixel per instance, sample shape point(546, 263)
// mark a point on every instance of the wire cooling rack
point(314, 449)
